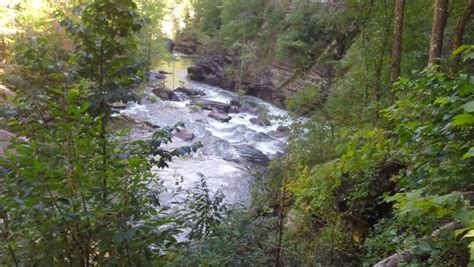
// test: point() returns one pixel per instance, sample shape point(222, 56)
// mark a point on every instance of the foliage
point(207, 16)
point(52, 206)
point(309, 32)
point(433, 118)
point(74, 193)
point(104, 41)
point(240, 20)
point(240, 240)
point(304, 101)
point(152, 44)
point(205, 213)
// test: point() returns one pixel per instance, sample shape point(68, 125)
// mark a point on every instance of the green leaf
point(461, 232)
point(469, 234)
point(463, 120)
point(469, 106)
point(469, 153)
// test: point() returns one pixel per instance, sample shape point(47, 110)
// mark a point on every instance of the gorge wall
point(266, 75)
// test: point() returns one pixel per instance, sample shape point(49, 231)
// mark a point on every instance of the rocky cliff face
point(274, 82)
point(267, 77)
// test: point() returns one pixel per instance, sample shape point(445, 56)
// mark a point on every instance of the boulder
point(118, 105)
point(252, 155)
point(196, 73)
point(283, 129)
point(164, 72)
point(145, 125)
point(261, 121)
point(184, 134)
point(247, 108)
point(170, 45)
point(190, 91)
point(209, 70)
point(220, 116)
point(234, 109)
point(154, 76)
point(213, 105)
point(165, 94)
point(187, 45)
point(261, 137)
point(235, 103)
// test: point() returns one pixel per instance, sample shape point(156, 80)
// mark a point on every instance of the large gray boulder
point(184, 134)
point(281, 131)
point(165, 93)
point(261, 121)
point(247, 108)
point(213, 105)
point(190, 91)
point(252, 155)
point(209, 70)
point(155, 76)
point(220, 116)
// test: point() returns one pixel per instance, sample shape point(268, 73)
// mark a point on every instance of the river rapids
point(228, 147)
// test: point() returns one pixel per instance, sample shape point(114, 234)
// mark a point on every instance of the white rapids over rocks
point(219, 160)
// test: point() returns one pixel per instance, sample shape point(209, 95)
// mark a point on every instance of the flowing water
point(220, 160)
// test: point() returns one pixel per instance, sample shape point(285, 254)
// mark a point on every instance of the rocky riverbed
point(240, 135)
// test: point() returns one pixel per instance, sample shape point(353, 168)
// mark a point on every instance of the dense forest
point(378, 161)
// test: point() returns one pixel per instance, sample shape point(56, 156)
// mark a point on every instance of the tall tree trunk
point(397, 42)
point(380, 63)
point(459, 31)
point(397, 39)
point(440, 16)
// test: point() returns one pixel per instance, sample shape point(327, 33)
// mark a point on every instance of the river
point(223, 159)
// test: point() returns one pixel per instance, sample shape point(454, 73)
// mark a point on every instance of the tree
point(105, 42)
point(207, 16)
point(459, 30)
point(397, 40)
point(440, 16)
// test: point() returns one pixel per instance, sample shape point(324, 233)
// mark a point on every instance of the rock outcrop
point(190, 91)
point(220, 116)
point(188, 46)
point(273, 82)
point(210, 70)
point(247, 108)
point(280, 132)
point(213, 105)
point(156, 76)
point(252, 155)
point(261, 121)
point(184, 134)
point(165, 93)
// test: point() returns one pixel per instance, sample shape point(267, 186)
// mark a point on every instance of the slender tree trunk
point(380, 61)
point(282, 210)
point(397, 40)
point(459, 31)
point(440, 16)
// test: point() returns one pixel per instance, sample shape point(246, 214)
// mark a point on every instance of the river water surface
point(220, 160)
